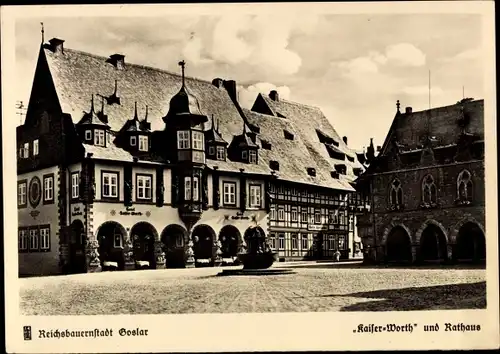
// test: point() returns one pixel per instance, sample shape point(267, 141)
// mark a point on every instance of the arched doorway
point(471, 244)
point(77, 241)
point(230, 239)
point(433, 246)
point(173, 239)
point(143, 236)
point(111, 238)
point(398, 246)
point(203, 244)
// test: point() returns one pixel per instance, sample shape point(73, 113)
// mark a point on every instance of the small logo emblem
point(27, 332)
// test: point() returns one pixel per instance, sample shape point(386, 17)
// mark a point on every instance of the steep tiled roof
point(78, 75)
point(308, 120)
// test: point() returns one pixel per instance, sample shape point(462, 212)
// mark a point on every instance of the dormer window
point(133, 141)
point(266, 145)
point(341, 169)
point(88, 134)
point(183, 139)
point(252, 154)
point(311, 171)
point(274, 165)
point(244, 155)
point(356, 171)
point(288, 135)
point(221, 153)
point(35, 147)
point(334, 174)
point(143, 143)
point(99, 138)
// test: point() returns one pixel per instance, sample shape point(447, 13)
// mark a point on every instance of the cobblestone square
point(313, 287)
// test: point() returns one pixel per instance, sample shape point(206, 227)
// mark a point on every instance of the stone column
point(450, 253)
point(159, 255)
point(414, 254)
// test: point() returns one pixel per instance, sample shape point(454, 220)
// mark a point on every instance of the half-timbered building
point(123, 166)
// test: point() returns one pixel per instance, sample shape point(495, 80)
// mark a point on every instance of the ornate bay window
point(464, 188)
point(396, 195)
point(429, 192)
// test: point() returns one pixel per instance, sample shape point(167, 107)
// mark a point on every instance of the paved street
point(313, 287)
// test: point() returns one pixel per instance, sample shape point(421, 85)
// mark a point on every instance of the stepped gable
point(308, 121)
point(294, 156)
point(77, 75)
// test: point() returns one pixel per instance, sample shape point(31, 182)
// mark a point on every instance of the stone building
point(426, 188)
point(123, 166)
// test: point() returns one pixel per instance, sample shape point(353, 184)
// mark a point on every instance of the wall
point(40, 262)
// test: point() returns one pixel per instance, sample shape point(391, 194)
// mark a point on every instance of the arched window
point(464, 186)
point(396, 195)
point(429, 191)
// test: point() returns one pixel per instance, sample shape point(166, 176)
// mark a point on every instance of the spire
point(398, 105)
point(217, 124)
point(182, 64)
point(92, 104)
point(135, 112)
point(213, 123)
point(43, 33)
point(146, 115)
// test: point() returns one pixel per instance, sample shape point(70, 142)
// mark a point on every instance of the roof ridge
point(137, 65)
point(290, 102)
point(443, 107)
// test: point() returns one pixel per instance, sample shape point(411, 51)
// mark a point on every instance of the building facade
point(426, 188)
point(123, 166)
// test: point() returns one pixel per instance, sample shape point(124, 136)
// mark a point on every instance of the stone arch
point(456, 228)
point(203, 237)
point(389, 228)
point(111, 237)
point(230, 238)
point(143, 236)
point(470, 243)
point(428, 222)
point(398, 246)
point(173, 238)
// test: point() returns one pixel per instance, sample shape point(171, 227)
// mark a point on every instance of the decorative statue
point(258, 254)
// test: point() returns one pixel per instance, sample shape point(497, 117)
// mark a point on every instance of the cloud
point(402, 54)
point(466, 55)
point(248, 94)
point(192, 51)
point(405, 54)
point(422, 90)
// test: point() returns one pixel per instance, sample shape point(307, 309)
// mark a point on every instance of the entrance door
point(77, 242)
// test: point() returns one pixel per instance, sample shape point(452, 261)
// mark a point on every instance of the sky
point(353, 67)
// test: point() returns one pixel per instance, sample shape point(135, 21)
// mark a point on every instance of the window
point(35, 147)
point(272, 212)
point(117, 239)
point(255, 196)
point(21, 193)
point(187, 188)
point(341, 219)
point(341, 242)
point(196, 189)
point(211, 150)
point(244, 154)
point(48, 188)
point(45, 238)
point(183, 139)
point(88, 134)
point(304, 215)
point(317, 216)
point(23, 240)
point(464, 186)
point(272, 241)
point(198, 141)
point(396, 196)
point(305, 242)
point(75, 185)
point(33, 239)
point(221, 155)
point(281, 241)
point(143, 143)
point(110, 184)
point(229, 193)
point(330, 242)
point(295, 243)
point(429, 191)
point(179, 241)
point(24, 151)
point(144, 189)
point(133, 140)
point(281, 213)
point(252, 156)
point(295, 214)
point(99, 138)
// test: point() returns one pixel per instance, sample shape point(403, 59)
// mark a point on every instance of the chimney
point(408, 110)
point(218, 82)
point(230, 86)
point(56, 45)
point(274, 95)
point(345, 139)
point(117, 60)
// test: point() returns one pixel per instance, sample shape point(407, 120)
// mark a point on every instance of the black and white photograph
point(201, 171)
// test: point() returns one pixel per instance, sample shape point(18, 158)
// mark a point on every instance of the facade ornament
point(93, 261)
